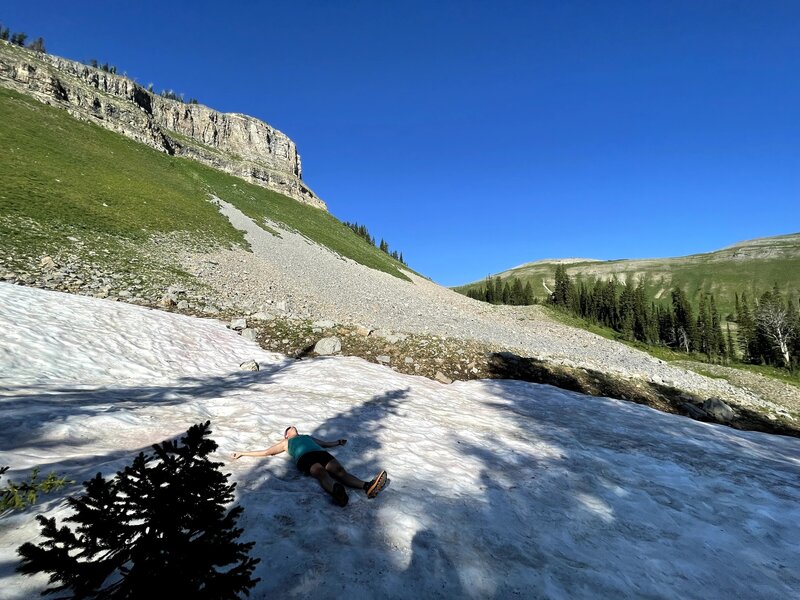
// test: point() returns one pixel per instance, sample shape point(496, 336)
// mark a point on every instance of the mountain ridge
point(235, 143)
point(750, 266)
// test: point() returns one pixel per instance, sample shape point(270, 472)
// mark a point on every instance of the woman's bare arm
point(326, 444)
point(271, 451)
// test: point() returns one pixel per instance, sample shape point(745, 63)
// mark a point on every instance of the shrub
point(159, 527)
point(15, 496)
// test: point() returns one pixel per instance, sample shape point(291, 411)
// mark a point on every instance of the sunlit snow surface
point(498, 489)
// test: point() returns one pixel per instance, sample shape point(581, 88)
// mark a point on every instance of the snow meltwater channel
point(497, 488)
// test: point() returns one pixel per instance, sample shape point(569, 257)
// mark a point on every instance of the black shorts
point(309, 459)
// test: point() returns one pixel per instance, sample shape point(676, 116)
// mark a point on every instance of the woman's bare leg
point(319, 473)
point(338, 471)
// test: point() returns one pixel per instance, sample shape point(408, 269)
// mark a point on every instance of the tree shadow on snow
point(576, 487)
point(359, 536)
point(28, 413)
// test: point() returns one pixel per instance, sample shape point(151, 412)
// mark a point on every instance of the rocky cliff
point(237, 144)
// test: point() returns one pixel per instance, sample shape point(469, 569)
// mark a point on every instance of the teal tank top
point(302, 444)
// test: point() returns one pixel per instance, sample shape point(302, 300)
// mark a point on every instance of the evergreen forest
point(763, 330)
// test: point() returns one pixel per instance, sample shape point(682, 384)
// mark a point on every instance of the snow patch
point(496, 487)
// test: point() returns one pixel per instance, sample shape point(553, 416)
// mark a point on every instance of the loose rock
point(323, 324)
point(719, 410)
point(250, 365)
point(442, 378)
point(328, 345)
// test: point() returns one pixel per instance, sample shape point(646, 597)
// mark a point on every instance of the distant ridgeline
point(750, 268)
point(237, 144)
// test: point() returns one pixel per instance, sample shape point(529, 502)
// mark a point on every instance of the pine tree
point(527, 297)
point(159, 525)
point(626, 306)
point(746, 330)
point(731, 347)
point(37, 45)
point(498, 290)
point(489, 291)
point(703, 326)
point(517, 292)
point(561, 294)
point(716, 339)
point(666, 327)
point(506, 293)
point(5, 33)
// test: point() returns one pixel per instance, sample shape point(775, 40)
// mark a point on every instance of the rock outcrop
point(237, 144)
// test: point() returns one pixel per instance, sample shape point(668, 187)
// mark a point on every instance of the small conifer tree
point(158, 529)
point(37, 45)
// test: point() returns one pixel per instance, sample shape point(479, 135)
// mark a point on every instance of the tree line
point(498, 291)
point(363, 232)
point(767, 332)
point(20, 37)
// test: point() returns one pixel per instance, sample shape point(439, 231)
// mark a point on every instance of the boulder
point(249, 365)
point(328, 345)
point(694, 411)
point(238, 324)
point(384, 359)
point(250, 334)
point(183, 305)
point(47, 263)
point(442, 378)
point(176, 289)
point(719, 410)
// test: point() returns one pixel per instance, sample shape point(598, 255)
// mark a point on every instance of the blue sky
point(475, 136)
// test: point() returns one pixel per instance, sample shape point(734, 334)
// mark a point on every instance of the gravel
point(287, 273)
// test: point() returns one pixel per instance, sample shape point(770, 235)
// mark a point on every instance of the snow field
point(497, 488)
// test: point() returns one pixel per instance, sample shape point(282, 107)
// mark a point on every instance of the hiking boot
point(376, 485)
point(339, 495)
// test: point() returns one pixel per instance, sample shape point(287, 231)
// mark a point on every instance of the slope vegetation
point(66, 181)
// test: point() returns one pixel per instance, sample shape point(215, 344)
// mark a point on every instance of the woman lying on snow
point(311, 459)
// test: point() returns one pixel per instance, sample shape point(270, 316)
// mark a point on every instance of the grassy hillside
point(62, 180)
point(753, 267)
